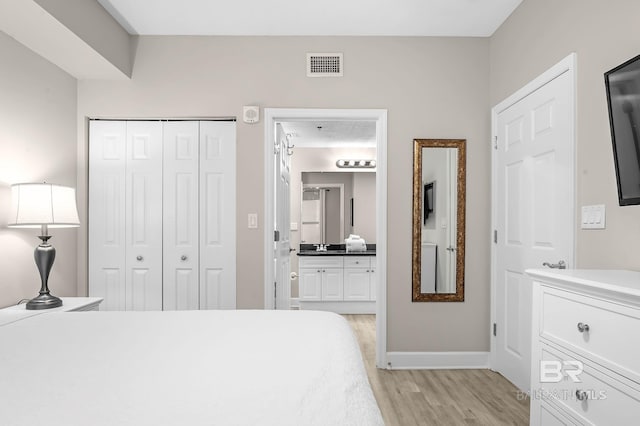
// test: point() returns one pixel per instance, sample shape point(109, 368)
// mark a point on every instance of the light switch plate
point(593, 217)
point(294, 226)
point(252, 220)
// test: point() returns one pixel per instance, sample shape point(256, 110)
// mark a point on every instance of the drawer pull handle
point(183, 257)
point(582, 328)
point(139, 258)
point(581, 395)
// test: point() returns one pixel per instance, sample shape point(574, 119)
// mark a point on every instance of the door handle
point(451, 249)
point(559, 265)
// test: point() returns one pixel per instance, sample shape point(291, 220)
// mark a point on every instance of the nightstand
point(69, 304)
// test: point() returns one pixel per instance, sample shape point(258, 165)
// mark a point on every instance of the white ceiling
point(328, 134)
point(474, 18)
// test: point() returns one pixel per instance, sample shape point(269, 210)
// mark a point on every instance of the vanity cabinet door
point(356, 283)
point(310, 284)
point(332, 284)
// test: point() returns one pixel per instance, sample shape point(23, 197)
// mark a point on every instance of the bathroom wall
point(364, 221)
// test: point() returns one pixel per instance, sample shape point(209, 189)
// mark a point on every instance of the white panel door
point(107, 153)
point(180, 215)
point(534, 212)
point(144, 215)
point(282, 244)
point(217, 215)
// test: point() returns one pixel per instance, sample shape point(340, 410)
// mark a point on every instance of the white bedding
point(183, 368)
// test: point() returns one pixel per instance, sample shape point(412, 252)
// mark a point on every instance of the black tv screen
point(623, 97)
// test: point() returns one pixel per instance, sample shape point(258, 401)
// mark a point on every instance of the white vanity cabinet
point(321, 278)
point(341, 284)
point(585, 351)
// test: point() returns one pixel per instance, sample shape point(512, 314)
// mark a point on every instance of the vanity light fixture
point(356, 164)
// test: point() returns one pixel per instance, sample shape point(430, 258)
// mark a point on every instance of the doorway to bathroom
point(317, 148)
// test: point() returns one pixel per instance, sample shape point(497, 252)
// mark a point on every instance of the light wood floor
point(438, 397)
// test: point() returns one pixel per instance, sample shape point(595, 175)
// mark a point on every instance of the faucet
point(321, 247)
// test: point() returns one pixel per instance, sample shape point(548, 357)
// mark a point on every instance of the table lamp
point(44, 206)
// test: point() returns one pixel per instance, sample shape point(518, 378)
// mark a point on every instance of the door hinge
point(495, 329)
point(276, 235)
point(495, 142)
point(275, 295)
point(495, 236)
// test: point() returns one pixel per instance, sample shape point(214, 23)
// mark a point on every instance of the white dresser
point(585, 363)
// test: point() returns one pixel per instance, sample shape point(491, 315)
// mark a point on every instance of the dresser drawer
point(550, 416)
point(320, 262)
point(357, 261)
point(603, 400)
point(611, 337)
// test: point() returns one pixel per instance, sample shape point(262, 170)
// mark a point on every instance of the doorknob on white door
point(559, 265)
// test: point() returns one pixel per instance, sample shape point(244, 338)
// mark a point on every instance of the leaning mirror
point(439, 177)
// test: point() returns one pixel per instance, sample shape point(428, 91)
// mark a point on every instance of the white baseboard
point(437, 360)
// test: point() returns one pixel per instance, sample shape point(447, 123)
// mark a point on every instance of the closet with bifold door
point(162, 214)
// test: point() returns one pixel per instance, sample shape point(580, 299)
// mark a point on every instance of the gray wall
point(364, 206)
point(37, 143)
point(431, 87)
point(603, 34)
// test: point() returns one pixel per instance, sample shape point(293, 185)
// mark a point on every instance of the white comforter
point(183, 368)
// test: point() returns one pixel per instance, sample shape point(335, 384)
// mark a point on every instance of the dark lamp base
point(44, 301)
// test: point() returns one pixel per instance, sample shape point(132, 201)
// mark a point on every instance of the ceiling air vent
point(324, 64)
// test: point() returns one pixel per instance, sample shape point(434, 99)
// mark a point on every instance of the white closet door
point(107, 154)
point(144, 215)
point(218, 215)
point(180, 215)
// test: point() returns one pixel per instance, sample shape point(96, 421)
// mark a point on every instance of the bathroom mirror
point(336, 204)
point(439, 189)
point(322, 214)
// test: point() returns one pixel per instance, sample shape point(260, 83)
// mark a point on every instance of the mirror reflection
point(438, 220)
point(322, 214)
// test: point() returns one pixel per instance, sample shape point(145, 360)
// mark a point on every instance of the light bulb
point(372, 163)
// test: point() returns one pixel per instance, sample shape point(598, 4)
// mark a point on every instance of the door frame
point(566, 65)
point(274, 115)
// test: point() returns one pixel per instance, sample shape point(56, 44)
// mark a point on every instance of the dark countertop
point(335, 250)
point(336, 253)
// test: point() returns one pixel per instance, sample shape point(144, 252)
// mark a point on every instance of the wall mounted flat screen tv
point(623, 97)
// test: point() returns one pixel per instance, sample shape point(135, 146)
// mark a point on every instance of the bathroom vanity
point(338, 281)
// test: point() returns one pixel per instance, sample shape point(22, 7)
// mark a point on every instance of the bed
point(183, 368)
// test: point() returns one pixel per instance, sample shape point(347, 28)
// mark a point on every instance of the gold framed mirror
point(439, 197)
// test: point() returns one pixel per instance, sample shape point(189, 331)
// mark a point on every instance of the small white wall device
point(251, 114)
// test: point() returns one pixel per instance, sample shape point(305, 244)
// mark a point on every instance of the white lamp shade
point(36, 204)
